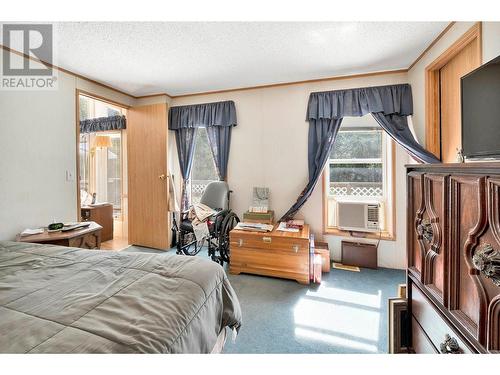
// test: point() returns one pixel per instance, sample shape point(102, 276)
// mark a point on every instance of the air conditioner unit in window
point(359, 216)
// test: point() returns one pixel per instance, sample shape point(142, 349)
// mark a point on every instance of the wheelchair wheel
point(189, 245)
point(228, 224)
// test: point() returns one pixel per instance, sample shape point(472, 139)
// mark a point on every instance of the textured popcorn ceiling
point(182, 58)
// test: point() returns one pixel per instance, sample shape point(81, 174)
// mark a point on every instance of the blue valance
point(202, 115)
point(391, 99)
point(101, 124)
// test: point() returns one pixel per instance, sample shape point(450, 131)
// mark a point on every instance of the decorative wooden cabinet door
point(427, 200)
point(475, 257)
point(486, 260)
point(416, 204)
point(486, 263)
point(430, 227)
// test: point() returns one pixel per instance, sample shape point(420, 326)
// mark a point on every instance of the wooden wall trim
point(101, 98)
point(351, 76)
point(65, 70)
point(335, 78)
point(471, 34)
point(153, 95)
point(432, 102)
point(432, 44)
point(77, 148)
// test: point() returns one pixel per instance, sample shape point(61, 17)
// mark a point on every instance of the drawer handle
point(424, 229)
point(487, 261)
point(240, 242)
point(450, 345)
point(295, 248)
point(267, 239)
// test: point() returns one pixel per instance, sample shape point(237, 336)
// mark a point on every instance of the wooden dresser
point(453, 246)
point(278, 254)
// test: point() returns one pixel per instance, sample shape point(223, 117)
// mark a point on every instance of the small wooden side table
point(85, 238)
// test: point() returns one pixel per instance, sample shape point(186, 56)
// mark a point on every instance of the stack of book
point(254, 227)
point(259, 217)
point(295, 224)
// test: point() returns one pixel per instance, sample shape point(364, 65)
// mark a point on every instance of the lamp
point(102, 141)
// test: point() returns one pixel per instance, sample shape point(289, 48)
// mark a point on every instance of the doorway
point(443, 123)
point(102, 158)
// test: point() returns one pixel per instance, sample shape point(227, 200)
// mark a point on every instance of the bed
point(65, 300)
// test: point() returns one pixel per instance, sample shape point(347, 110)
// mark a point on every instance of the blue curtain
point(219, 138)
point(389, 105)
point(397, 128)
point(322, 134)
point(218, 118)
point(184, 139)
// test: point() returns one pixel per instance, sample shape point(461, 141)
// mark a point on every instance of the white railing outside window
point(356, 189)
point(198, 188)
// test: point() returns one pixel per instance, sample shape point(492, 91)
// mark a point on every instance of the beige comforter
point(65, 300)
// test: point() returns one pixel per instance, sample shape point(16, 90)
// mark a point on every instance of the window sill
point(384, 236)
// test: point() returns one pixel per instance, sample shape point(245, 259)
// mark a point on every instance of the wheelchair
point(216, 196)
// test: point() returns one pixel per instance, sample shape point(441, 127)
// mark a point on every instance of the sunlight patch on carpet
point(344, 267)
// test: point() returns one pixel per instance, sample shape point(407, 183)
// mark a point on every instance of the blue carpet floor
point(347, 313)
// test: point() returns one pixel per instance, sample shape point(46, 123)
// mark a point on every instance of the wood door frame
point(79, 92)
point(432, 92)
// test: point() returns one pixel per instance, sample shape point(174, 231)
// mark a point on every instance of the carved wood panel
point(493, 340)
point(454, 247)
point(436, 198)
point(416, 208)
point(489, 266)
point(467, 298)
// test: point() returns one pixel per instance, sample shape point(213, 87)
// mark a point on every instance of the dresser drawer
point(269, 242)
point(421, 343)
point(433, 324)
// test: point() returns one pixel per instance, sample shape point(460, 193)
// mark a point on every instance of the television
point(480, 91)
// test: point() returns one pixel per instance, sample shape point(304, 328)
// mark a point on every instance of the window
point(101, 167)
point(203, 170)
point(360, 169)
point(356, 164)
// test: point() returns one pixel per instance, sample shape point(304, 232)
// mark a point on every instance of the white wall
point(269, 148)
point(37, 147)
point(416, 75)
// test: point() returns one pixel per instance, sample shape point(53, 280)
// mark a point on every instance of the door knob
point(162, 177)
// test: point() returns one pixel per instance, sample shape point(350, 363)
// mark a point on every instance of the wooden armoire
point(453, 247)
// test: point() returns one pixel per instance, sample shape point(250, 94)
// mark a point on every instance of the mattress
point(65, 300)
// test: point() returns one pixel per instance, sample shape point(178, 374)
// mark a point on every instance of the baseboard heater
point(359, 254)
